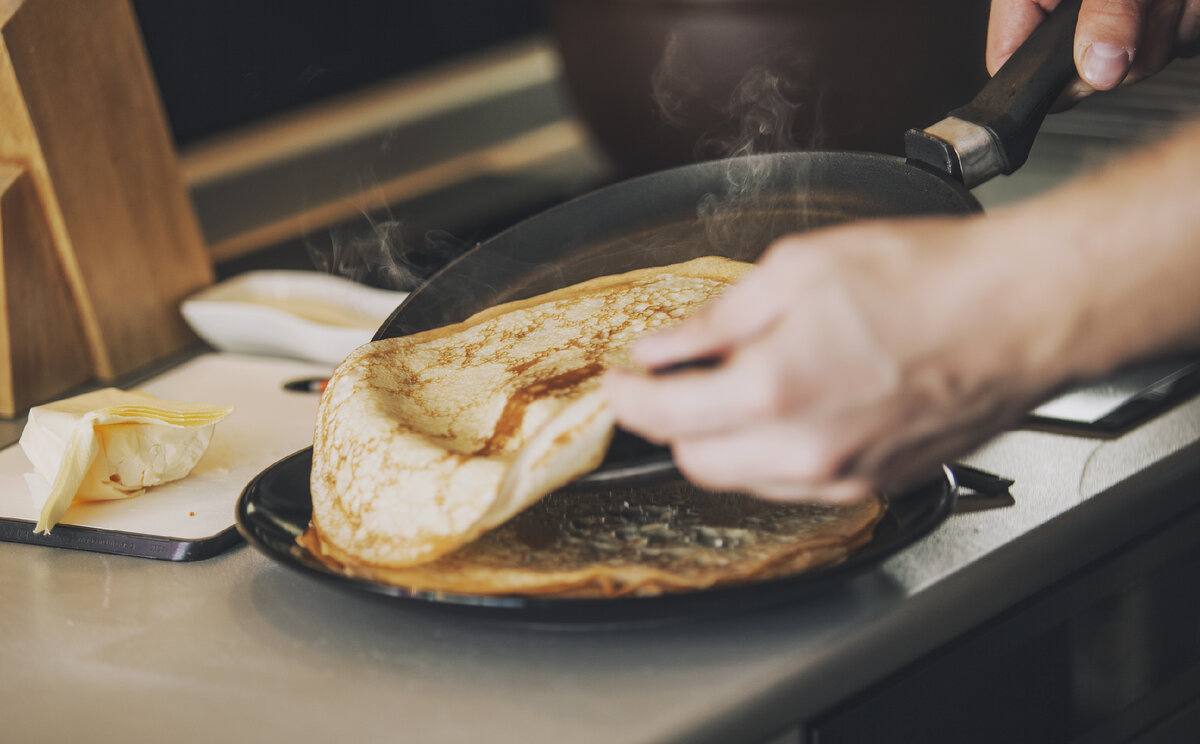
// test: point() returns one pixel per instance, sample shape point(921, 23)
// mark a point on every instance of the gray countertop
point(108, 648)
point(128, 649)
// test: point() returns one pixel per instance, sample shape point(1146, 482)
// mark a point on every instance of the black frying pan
point(736, 207)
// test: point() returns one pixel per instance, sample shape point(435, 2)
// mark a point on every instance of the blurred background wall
point(221, 64)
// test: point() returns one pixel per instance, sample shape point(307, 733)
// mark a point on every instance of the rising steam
point(381, 252)
point(673, 84)
point(761, 109)
point(759, 116)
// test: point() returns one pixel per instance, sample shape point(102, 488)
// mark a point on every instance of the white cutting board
point(268, 423)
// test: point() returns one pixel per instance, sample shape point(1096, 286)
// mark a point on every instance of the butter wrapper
point(111, 444)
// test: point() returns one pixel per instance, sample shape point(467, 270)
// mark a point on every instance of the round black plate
point(275, 508)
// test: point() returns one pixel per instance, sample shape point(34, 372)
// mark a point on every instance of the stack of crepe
point(427, 446)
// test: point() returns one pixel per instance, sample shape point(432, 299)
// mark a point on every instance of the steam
point(383, 252)
point(759, 116)
point(673, 86)
point(764, 116)
point(762, 108)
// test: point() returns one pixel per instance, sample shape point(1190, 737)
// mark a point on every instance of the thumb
point(1107, 38)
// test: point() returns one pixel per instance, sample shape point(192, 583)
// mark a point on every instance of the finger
point(1158, 39)
point(1188, 34)
point(1107, 38)
point(778, 462)
point(740, 313)
point(842, 492)
point(689, 404)
point(1009, 24)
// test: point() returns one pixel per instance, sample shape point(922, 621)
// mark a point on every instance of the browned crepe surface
point(425, 442)
point(665, 538)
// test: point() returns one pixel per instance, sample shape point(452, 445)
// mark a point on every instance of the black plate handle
point(994, 133)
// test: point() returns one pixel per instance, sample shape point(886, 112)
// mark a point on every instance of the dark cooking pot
point(736, 207)
point(667, 82)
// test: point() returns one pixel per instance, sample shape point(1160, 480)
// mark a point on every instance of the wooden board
point(83, 118)
point(43, 346)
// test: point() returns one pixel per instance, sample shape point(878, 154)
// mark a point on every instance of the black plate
point(276, 506)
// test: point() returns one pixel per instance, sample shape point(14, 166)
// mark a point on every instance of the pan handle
point(994, 133)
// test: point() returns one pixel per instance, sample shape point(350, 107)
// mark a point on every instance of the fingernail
point(1105, 65)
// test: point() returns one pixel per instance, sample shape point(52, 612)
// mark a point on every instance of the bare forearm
point(1122, 247)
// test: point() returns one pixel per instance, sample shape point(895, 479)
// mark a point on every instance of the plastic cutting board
point(192, 518)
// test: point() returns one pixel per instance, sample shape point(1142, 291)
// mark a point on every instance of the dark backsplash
point(221, 64)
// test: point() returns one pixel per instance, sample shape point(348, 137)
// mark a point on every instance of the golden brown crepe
point(669, 537)
point(427, 442)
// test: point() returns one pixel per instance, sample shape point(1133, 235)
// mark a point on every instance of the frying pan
point(737, 207)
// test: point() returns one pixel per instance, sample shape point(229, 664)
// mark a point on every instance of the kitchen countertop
point(108, 648)
point(240, 647)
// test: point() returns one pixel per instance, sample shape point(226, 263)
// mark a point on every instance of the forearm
point(1122, 247)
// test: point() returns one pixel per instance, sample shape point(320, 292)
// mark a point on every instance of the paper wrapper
point(111, 444)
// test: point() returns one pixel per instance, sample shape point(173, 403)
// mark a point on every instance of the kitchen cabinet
point(1110, 654)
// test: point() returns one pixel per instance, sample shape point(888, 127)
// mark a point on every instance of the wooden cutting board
point(90, 183)
point(191, 518)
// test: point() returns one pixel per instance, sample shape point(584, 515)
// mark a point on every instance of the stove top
point(1116, 404)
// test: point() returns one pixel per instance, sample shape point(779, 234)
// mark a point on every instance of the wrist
point(1015, 301)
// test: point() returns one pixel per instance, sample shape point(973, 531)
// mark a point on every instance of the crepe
point(658, 539)
point(426, 441)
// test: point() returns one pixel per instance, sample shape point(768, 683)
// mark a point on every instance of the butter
point(111, 444)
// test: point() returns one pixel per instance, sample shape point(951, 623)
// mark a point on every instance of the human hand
point(1116, 41)
point(854, 358)
point(864, 356)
